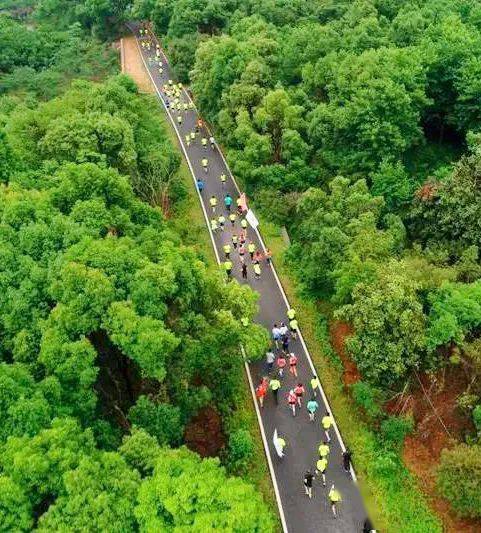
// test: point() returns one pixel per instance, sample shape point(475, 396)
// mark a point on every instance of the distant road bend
point(298, 513)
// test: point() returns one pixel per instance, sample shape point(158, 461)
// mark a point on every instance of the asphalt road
point(302, 515)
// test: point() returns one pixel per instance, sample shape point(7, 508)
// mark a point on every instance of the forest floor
point(439, 424)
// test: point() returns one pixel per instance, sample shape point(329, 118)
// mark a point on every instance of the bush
point(385, 465)
point(368, 398)
point(394, 430)
point(459, 479)
point(241, 449)
point(477, 418)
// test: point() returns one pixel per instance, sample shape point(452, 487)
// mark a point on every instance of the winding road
point(298, 513)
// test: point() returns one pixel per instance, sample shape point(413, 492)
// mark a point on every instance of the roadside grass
point(189, 222)
point(392, 495)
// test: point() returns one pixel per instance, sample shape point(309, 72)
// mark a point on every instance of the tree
point(15, 508)
point(24, 409)
point(367, 117)
point(458, 479)
point(99, 494)
point(186, 491)
point(449, 212)
point(160, 420)
point(391, 181)
point(455, 311)
point(140, 450)
point(328, 224)
point(389, 325)
point(37, 464)
point(145, 340)
point(6, 158)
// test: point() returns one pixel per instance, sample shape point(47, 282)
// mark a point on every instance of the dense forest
point(357, 125)
point(354, 124)
point(115, 334)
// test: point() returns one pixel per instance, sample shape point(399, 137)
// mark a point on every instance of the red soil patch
point(422, 450)
point(435, 432)
point(204, 433)
point(338, 332)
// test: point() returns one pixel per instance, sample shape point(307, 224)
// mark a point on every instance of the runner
point(226, 249)
point(213, 203)
point(308, 479)
point(326, 424)
point(235, 240)
point(261, 391)
point(270, 360)
point(268, 256)
point(368, 527)
point(281, 364)
point(321, 467)
point(239, 205)
point(276, 335)
point(187, 140)
point(243, 236)
point(334, 498)
point(228, 268)
point(283, 329)
point(323, 450)
point(251, 248)
point(223, 179)
point(212, 142)
point(242, 251)
point(244, 270)
point(179, 120)
point(285, 342)
point(232, 218)
point(257, 271)
point(213, 225)
point(200, 185)
point(291, 313)
point(228, 201)
point(292, 400)
point(205, 162)
point(204, 142)
point(294, 327)
point(346, 460)
point(192, 136)
point(293, 364)
point(299, 391)
point(222, 222)
point(244, 223)
point(314, 384)
point(279, 444)
point(312, 407)
point(275, 385)
point(257, 256)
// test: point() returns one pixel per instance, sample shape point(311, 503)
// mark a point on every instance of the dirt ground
point(339, 331)
point(133, 66)
point(204, 434)
point(422, 449)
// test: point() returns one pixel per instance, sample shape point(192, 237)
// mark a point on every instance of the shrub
point(459, 479)
point(477, 418)
point(394, 430)
point(241, 449)
point(367, 397)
